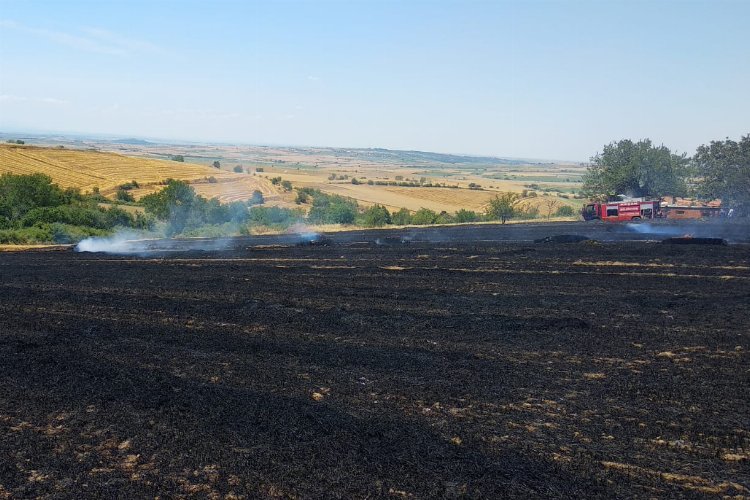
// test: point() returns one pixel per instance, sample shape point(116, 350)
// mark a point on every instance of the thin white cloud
point(128, 44)
point(313, 78)
point(95, 40)
point(41, 100)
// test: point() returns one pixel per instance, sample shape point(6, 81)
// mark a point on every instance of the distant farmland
point(71, 166)
point(87, 170)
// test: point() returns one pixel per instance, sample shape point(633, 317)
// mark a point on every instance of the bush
point(355, 181)
point(424, 216)
point(302, 197)
point(65, 233)
point(178, 158)
point(444, 218)
point(28, 235)
point(123, 195)
point(376, 216)
point(466, 216)
point(286, 185)
point(530, 213)
point(238, 169)
point(564, 211)
point(21, 193)
point(273, 216)
point(256, 198)
point(502, 207)
point(402, 217)
point(330, 209)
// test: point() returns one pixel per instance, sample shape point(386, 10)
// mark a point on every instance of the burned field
point(356, 370)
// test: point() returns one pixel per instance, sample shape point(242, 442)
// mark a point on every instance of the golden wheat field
point(86, 170)
point(89, 169)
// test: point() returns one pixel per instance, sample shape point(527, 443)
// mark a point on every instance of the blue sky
point(538, 79)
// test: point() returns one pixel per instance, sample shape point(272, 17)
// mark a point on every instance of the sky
point(531, 79)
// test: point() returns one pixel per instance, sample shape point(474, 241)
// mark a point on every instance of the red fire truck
point(616, 211)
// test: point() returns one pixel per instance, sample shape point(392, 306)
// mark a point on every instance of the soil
point(454, 368)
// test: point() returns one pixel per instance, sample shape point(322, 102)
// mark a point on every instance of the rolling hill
point(89, 169)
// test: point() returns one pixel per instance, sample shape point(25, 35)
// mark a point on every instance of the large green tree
point(502, 207)
point(723, 169)
point(637, 169)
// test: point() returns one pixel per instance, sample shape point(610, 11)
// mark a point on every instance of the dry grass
point(87, 170)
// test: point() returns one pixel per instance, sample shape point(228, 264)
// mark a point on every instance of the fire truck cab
point(617, 211)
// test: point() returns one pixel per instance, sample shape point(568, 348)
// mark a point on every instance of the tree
point(238, 169)
point(173, 204)
point(256, 198)
point(302, 197)
point(123, 195)
point(637, 169)
point(216, 164)
point(550, 204)
point(286, 185)
point(402, 217)
point(723, 168)
point(502, 207)
point(376, 216)
point(464, 216)
point(565, 211)
point(179, 158)
point(21, 193)
point(424, 216)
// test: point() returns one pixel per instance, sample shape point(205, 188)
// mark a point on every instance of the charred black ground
point(357, 369)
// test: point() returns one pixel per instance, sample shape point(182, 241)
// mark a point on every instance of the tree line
point(720, 169)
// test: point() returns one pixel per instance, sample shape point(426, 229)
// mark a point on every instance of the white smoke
point(122, 243)
point(655, 229)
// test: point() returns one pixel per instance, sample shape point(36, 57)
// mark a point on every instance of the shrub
point(466, 216)
point(130, 185)
point(302, 197)
point(273, 216)
point(376, 216)
point(564, 211)
point(286, 185)
point(502, 207)
point(256, 198)
point(402, 217)
point(123, 195)
point(238, 169)
point(178, 158)
point(21, 193)
point(424, 216)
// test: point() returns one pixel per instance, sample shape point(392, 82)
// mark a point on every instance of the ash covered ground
point(403, 368)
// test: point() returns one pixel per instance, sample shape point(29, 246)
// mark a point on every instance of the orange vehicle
point(685, 208)
point(618, 211)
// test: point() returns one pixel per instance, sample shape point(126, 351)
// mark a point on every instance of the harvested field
point(107, 171)
point(448, 369)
